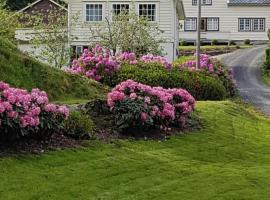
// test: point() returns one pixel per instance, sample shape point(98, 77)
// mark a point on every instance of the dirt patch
point(31, 146)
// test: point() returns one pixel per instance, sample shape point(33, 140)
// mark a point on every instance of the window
point(148, 11)
point(191, 24)
point(94, 12)
point(120, 9)
point(204, 2)
point(207, 24)
point(251, 24)
point(212, 24)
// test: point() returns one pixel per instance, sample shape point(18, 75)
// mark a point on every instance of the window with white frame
point(212, 24)
point(251, 24)
point(94, 12)
point(149, 11)
point(204, 2)
point(191, 24)
point(118, 9)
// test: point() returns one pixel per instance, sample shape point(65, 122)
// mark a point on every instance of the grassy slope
point(22, 71)
point(228, 159)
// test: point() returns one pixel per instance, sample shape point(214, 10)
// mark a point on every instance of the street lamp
point(198, 49)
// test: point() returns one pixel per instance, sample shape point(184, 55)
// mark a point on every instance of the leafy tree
point(50, 36)
point(17, 4)
point(8, 23)
point(128, 32)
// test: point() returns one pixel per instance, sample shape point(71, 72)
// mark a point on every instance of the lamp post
point(198, 49)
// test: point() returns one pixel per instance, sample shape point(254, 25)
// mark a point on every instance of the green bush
point(247, 42)
point(200, 85)
point(183, 43)
point(267, 60)
point(232, 43)
point(79, 126)
point(214, 42)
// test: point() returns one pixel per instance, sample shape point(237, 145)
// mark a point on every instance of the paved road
point(246, 64)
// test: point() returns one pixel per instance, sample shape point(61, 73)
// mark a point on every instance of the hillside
point(19, 70)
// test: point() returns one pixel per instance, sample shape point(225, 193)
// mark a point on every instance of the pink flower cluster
point(149, 58)
point(205, 64)
point(99, 62)
point(95, 63)
point(166, 106)
point(24, 108)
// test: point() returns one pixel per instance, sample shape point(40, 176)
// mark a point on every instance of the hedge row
point(201, 86)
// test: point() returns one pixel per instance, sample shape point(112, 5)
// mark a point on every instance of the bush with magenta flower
point(136, 105)
point(213, 68)
point(28, 114)
point(95, 64)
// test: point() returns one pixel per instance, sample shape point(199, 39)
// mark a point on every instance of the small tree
point(50, 36)
point(128, 32)
point(8, 24)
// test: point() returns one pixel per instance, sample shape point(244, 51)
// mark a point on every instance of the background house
point(166, 13)
point(26, 33)
point(227, 20)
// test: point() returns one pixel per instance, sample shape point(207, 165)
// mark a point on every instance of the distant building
point(165, 13)
point(24, 35)
point(227, 20)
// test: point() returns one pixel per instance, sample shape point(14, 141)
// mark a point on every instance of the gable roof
point(249, 2)
point(34, 3)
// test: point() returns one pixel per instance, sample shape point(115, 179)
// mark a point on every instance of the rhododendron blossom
point(165, 107)
point(25, 109)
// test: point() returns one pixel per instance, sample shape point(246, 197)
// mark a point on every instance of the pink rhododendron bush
point(213, 68)
point(98, 63)
point(136, 105)
point(28, 114)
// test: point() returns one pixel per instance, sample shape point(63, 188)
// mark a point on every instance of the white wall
point(166, 19)
point(228, 20)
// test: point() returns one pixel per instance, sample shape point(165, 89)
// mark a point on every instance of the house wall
point(166, 12)
point(228, 20)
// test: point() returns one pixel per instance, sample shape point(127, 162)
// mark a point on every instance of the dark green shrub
point(232, 43)
point(200, 85)
point(214, 42)
point(183, 43)
point(247, 42)
point(79, 126)
point(267, 60)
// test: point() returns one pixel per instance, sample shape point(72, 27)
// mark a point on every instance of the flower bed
point(215, 69)
point(23, 113)
point(98, 63)
point(138, 105)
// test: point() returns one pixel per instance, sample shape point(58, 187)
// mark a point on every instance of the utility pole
point(198, 49)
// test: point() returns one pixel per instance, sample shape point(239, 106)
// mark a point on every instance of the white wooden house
point(227, 20)
point(165, 13)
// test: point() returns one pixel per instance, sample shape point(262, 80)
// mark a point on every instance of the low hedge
point(201, 86)
point(267, 60)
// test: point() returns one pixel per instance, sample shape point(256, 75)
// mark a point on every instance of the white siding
point(228, 20)
point(166, 19)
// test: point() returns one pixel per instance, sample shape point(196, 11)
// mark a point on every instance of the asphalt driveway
point(246, 64)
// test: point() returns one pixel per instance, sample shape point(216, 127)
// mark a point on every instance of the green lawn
point(210, 47)
point(228, 159)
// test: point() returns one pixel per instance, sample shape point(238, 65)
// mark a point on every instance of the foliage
point(232, 43)
point(140, 106)
point(79, 126)
point(214, 42)
point(127, 32)
point(213, 68)
point(200, 85)
point(50, 36)
point(267, 60)
point(16, 5)
point(247, 42)
point(23, 113)
point(8, 23)
point(99, 63)
point(22, 71)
